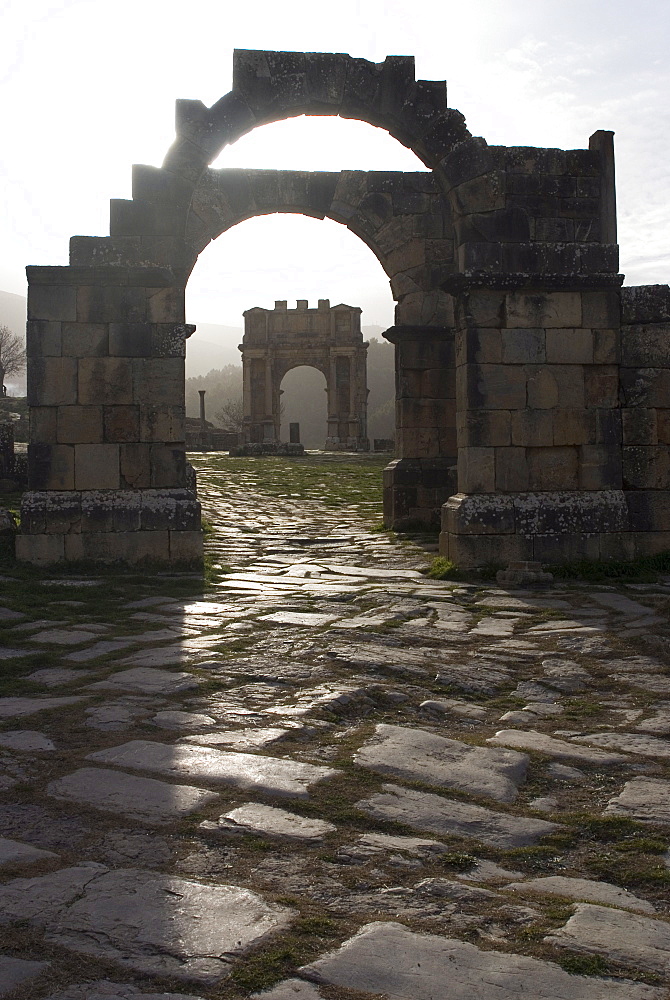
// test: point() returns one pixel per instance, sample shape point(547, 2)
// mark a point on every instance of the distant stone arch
point(328, 339)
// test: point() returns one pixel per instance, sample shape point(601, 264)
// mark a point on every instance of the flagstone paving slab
point(17, 971)
point(140, 798)
point(645, 746)
point(272, 775)
point(418, 755)
point(435, 814)
point(182, 720)
point(27, 740)
point(56, 676)
point(583, 889)
point(153, 924)
point(643, 799)
point(13, 852)
point(103, 989)
point(641, 942)
point(559, 749)
point(8, 653)
point(14, 707)
point(290, 989)
point(268, 821)
point(64, 637)
point(244, 738)
point(390, 960)
point(148, 681)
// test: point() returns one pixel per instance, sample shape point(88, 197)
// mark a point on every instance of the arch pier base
point(108, 480)
point(423, 477)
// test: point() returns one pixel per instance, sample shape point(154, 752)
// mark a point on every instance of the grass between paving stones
point(333, 482)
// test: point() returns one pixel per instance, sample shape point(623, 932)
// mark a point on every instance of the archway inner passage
point(304, 402)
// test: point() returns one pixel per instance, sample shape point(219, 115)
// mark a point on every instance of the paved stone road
point(327, 776)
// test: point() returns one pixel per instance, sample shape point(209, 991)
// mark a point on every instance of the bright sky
point(88, 89)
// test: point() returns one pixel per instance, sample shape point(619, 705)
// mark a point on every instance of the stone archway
point(325, 338)
point(503, 263)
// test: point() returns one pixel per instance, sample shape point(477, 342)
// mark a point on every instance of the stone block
point(570, 347)
point(646, 346)
point(85, 340)
point(130, 340)
point(569, 387)
point(618, 545)
point(186, 547)
point(553, 468)
point(482, 428)
point(121, 423)
point(570, 512)
point(553, 550)
point(476, 470)
point(127, 511)
point(608, 427)
point(601, 386)
point(481, 346)
point(162, 423)
point(168, 466)
point(640, 426)
point(468, 551)
point(423, 413)
point(478, 515)
point(43, 424)
point(51, 466)
point(97, 510)
point(573, 426)
point(511, 470)
point(646, 468)
point(651, 543)
point(649, 510)
point(105, 381)
point(543, 389)
point(532, 428)
point(645, 386)
point(602, 309)
point(40, 550)
point(97, 466)
point(168, 340)
point(43, 338)
point(103, 546)
point(52, 302)
point(52, 381)
point(165, 305)
point(527, 346)
point(543, 309)
point(645, 303)
point(480, 308)
point(110, 304)
point(473, 256)
point(606, 347)
point(437, 383)
point(663, 426)
point(135, 465)
point(79, 424)
point(485, 193)
point(157, 381)
point(599, 467)
point(491, 387)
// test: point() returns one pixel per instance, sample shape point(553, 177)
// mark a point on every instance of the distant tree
point(231, 414)
point(12, 354)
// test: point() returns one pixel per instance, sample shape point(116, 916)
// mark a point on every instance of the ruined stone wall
point(645, 411)
point(524, 412)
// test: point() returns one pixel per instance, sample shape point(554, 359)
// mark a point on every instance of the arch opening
point(304, 402)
